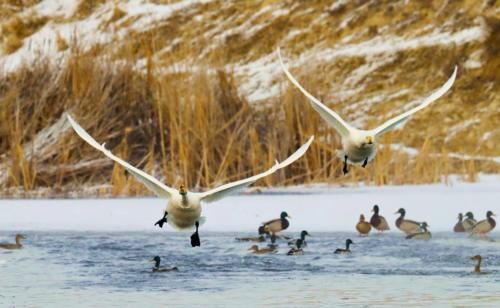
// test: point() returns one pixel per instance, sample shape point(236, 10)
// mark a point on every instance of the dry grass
point(192, 128)
point(16, 28)
point(195, 126)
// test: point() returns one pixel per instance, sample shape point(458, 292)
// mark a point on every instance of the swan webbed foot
point(195, 238)
point(162, 221)
point(345, 165)
point(365, 162)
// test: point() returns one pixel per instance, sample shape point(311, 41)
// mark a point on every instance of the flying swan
point(358, 146)
point(184, 207)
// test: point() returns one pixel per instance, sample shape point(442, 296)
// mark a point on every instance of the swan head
point(365, 140)
point(182, 190)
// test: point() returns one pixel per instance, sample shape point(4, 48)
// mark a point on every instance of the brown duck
point(17, 245)
point(406, 225)
point(477, 267)
point(377, 221)
point(362, 226)
point(459, 226)
point(262, 251)
point(484, 226)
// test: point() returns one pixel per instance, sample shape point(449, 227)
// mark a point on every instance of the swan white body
point(184, 209)
point(358, 146)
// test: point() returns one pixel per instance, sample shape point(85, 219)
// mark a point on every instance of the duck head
point(303, 234)
point(460, 217)
point(476, 258)
point(361, 218)
point(469, 215)
point(261, 230)
point(401, 212)
point(489, 214)
point(375, 209)
point(284, 215)
point(424, 226)
point(157, 261)
point(182, 190)
point(20, 237)
point(349, 242)
point(254, 248)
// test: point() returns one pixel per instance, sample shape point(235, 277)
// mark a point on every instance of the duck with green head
point(16, 245)
point(300, 242)
point(347, 249)
point(158, 269)
point(424, 234)
point(469, 221)
point(406, 225)
point(277, 225)
point(484, 226)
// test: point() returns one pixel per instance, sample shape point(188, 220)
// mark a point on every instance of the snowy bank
point(314, 209)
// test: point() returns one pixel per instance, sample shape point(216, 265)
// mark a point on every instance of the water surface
point(111, 269)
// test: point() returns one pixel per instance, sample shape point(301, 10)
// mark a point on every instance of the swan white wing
point(326, 113)
point(230, 188)
point(392, 123)
point(150, 182)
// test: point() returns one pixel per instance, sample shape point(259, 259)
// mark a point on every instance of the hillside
point(193, 91)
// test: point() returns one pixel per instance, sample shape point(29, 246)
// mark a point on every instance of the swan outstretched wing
point(326, 113)
point(160, 189)
point(392, 123)
point(230, 188)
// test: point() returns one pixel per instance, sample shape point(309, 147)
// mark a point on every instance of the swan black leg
point(365, 162)
point(195, 238)
point(162, 221)
point(345, 165)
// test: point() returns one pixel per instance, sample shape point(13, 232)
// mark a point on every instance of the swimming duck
point(262, 251)
point(184, 207)
point(477, 267)
point(362, 226)
point(295, 252)
point(377, 221)
point(17, 245)
point(484, 226)
point(260, 238)
point(459, 226)
point(469, 222)
point(158, 269)
point(277, 225)
point(424, 234)
point(406, 225)
point(300, 242)
point(348, 243)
